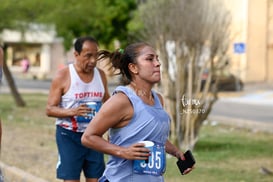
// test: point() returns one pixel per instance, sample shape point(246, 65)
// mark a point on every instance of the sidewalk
point(254, 94)
point(250, 88)
point(261, 97)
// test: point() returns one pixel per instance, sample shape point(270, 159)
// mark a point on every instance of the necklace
point(142, 93)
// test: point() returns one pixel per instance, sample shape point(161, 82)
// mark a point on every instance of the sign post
point(239, 48)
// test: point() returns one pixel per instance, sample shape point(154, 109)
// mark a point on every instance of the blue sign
point(239, 48)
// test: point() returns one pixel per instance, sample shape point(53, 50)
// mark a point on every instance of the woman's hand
point(180, 155)
point(82, 110)
point(135, 152)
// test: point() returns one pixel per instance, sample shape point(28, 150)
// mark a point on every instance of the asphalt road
point(27, 85)
point(30, 85)
point(252, 110)
point(248, 109)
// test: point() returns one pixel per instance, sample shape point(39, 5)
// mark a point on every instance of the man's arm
point(0, 133)
point(1, 63)
point(58, 87)
point(1, 66)
point(105, 84)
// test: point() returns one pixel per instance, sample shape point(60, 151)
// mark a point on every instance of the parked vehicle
point(225, 82)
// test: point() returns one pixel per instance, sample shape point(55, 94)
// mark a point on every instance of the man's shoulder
point(1, 56)
point(101, 73)
point(62, 73)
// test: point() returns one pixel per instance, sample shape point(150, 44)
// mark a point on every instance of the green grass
point(223, 153)
point(228, 154)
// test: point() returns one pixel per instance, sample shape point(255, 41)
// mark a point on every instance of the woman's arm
point(116, 112)
point(174, 151)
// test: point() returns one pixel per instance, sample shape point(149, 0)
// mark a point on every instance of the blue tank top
point(148, 123)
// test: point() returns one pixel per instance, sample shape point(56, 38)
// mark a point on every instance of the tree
point(199, 33)
point(105, 20)
point(15, 16)
point(17, 97)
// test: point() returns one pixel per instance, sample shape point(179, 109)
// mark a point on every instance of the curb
point(242, 123)
point(14, 174)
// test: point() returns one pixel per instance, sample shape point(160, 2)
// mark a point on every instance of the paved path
point(251, 108)
point(264, 98)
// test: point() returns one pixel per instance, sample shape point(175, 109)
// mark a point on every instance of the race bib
point(156, 164)
point(95, 106)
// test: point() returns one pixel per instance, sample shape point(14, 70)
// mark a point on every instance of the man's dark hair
point(79, 42)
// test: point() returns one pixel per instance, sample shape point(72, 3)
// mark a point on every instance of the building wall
point(57, 60)
point(252, 25)
point(257, 41)
point(269, 61)
point(43, 46)
point(238, 35)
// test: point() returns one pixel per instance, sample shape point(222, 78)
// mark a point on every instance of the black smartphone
point(187, 163)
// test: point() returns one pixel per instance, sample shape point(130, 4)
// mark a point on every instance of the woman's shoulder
point(159, 96)
point(122, 88)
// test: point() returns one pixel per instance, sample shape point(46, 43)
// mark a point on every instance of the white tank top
point(77, 93)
